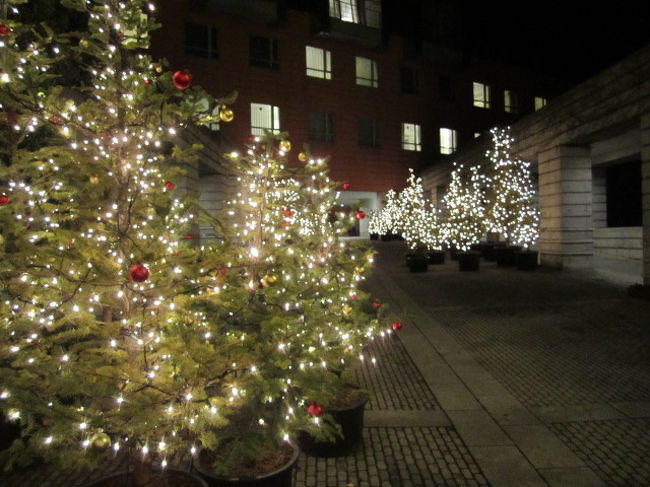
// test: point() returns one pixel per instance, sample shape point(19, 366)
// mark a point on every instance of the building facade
point(330, 75)
point(591, 149)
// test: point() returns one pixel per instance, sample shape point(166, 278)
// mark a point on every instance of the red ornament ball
point(396, 326)
point(353, 296)
point(170, 186)
point(147, 81)
point(288, 213)
point(376, 305)
point(188, 237)
point(345, 186)
point(138, 272)
point(360, 215)
point(182, 80)
point(4, 199)
point(315, 409)
point(4, 30)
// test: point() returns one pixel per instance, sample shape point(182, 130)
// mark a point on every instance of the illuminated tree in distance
point(386, 220)
point(418, 221)
point(511, 209)
point(465, 207)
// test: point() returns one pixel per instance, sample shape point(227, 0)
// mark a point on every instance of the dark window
point(409, 80)
point(201, 40)
point(368, 133)
point(264, 52)
point(446, 88)
point(624, 208)
point(321, 128)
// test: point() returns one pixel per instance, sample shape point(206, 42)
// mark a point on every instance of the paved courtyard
point(498, 378)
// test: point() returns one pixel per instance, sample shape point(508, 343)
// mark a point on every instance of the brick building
point(591, 149)
point(330, 75)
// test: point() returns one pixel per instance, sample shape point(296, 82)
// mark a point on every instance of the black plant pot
point(436, 257)
point(417, 262)
point(453, 253)
point(282, 477)
point(489, 250)
point(351, 421)
point(505, 256)
point(374, 236)
point(9, 431)
point(183, 478)
point(468, 261)
point(526, 260)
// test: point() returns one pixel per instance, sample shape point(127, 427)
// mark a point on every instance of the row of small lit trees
point(497, 197)
point(118, 332)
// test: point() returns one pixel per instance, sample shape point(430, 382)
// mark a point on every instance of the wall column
point(645, 194)
point(565, 199)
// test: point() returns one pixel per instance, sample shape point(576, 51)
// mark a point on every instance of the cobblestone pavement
point(570, 348)
point(617, 450)
point(397, 457)
point(394, 382)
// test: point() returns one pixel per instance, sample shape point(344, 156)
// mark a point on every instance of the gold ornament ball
point(347, 309)
point(285, 146)
point(100, 440)
point(93, 179)
point(159, 69)
point(83, 43)
point(302, 157)
point(226, 114)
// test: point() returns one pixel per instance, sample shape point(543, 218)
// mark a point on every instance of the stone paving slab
point(397, 457)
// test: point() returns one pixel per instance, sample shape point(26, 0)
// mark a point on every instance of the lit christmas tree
point(418, 222)
point(385, 221)
point(464, 201)
point(105, 342)
point(511, 209)
point(291, 296)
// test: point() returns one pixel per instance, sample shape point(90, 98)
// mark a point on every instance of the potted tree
point(465, 215)
point(511, 210)
point(290, 297)
point(102, 348)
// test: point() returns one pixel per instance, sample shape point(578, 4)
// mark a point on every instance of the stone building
point(591, 149)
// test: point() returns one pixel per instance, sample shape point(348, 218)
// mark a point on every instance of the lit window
point(540, 102)
point(201, 40)
point(368, 133)
point(477, 135)
point(264, 117)
point(263, 52)
point(321, 128)
point(510, 101)
point(411, 139)
point(365, 12)
point(367, 72)
point(448, 141)
point(319, 62)
point(481, 95)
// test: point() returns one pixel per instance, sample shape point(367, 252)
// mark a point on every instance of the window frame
point(373, 140)
point(212, 49)
point(414, 87)
point(275, 119)
point(326, 120)
point(373, 81)
point(482, 101)
point(324, 72)
point(542, 102)
point(510, 101)
point(271, 60)
point(446, 150)
point(416, 145)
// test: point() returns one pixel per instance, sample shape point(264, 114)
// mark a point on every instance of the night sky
point(569, 40)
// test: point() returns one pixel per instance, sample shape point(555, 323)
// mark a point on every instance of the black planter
point(505, 256)
point(436, 257)
point(120, 479)
point(374, 236)
point(417, 262)
point(351, 422)
point(282, 477)
point(468, 261)
point(489, 250)
point(9, 431)
point(453, 254)
point(526, 260)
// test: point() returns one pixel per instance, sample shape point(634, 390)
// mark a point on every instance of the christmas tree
point(418, 222)
point(291, 296)
point(385, 221)
point(105, 342)
point(464, 202)
point(511, 209)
